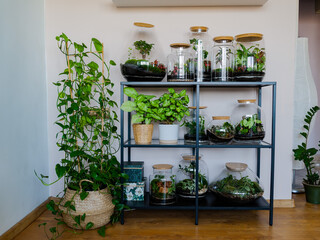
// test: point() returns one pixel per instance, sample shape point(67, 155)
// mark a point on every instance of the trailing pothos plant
point(88, 132)
point(305, 154)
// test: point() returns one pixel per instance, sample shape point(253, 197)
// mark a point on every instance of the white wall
point(277, 20)
point(23, 100)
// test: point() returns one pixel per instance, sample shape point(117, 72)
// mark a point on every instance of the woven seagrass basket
point(142, 133)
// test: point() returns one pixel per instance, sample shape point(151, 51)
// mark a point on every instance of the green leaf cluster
point(305, 154)
point(253, 51)
point(249, 125)
point(194, 43)
point(143, 47)
point(191, 125)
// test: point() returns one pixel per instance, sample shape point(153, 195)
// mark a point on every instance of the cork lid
point(236, 166)
point(249, 37)
point(190, 157)
point(162, 166)
point(180, 45)
point(141, 24)
point(247, 101)
point(199, 29)
point(220, 117)
point(200, 107)
point(221, 39)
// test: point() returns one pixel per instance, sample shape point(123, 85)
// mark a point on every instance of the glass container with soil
point(237, 184)
point(248, 120)
point(186, 177)
point(222, 59)
point(220, 130)
point(201, 43)
point(180, 63)
point(143, 60)
point(162, 185)
point(250, 58)
point(191, 126)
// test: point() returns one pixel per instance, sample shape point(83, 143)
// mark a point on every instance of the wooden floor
point(302, 222)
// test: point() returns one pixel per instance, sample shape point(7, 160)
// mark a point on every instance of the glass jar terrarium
point(220, 129)
point(143, 60)
point(250, 58)
point(180, 63)
point(162, 185)
point(201, 45)
point(248, 120)
point(222, 59)
point(237, 184)
point(186, 177)
point(190, 123)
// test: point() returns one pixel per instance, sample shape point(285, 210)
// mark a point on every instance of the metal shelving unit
point(210, 202)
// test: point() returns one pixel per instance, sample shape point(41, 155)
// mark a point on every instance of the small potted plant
point(220, 130)
point(302, 153)
point(249, 128)
point(146, 110)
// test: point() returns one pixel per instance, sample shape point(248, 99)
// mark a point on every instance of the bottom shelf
point(210, 202)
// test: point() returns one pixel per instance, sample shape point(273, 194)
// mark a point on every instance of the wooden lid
point(179, 45)
point(162, 166)
point(247, 101)
point(249, 37)
point(220, 117)
point(198, 29)
point(236, 166)
point(223, 38)
point(201, 107)
point(141, 24)
point(190, 157)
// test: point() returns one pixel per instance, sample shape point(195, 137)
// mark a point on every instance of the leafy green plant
point(218, 56)
point(146, 109)
point(253, 51)
point(305, 154)
point(143, 47)
point(192, 126)
point(163, 188)
point(194, 43)
point(88, 132)
point(250, 126)
point(225, 131)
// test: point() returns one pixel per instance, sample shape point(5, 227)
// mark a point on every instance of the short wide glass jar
point(162, 185)
point(186, 177)
point(220, 129)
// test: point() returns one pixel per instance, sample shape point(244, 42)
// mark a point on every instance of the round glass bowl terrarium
point(201, 46)
point(237, 184)
point(222, 59)
point(220, 129)
point(248, 120)
point(162, 185)
point(186, 177)
point(180, 63)
point(190, 123)
point(250, 58)
point(143, 60)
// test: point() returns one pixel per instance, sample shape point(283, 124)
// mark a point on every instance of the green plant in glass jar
point(220, 130)
point(250, 127)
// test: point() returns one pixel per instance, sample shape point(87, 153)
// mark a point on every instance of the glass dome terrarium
point(200, 40)
point(186, 177)
point(222, 59)
point(250, 57)
point(162, 185)
point(237, 184)
point(143, 60)
point(220, 129)
point(180, 63)
point(191, 126)
point(248, 120)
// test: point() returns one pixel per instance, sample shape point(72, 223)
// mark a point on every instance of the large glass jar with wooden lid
point(248, 119)
point(143, 59)
point(180, 63)
point(186, 177)
point(250, 57)
point(220, 129)
point(201, 43)
point(222, 59)
point(162, 185)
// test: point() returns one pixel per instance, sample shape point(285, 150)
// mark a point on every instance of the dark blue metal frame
point(211, 203)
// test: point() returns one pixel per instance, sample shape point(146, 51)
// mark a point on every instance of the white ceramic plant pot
point(168, 133)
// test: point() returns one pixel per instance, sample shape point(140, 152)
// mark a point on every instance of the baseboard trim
point(25, 222)
point(283, 203)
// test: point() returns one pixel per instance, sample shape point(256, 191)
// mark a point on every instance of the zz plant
point(88, 133)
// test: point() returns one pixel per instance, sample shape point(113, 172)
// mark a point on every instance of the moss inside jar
point(249, 128)
point(220, 130)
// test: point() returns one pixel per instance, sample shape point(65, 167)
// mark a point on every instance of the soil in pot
point(252, 76)
point(206, 71)
point(218, 76)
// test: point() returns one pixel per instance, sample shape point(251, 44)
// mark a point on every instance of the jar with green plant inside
point(250, 57)
point(162, 185)
point(220, 129)
point(237, 184)
point(143, 61)
point(186, 177)
point(248, 120)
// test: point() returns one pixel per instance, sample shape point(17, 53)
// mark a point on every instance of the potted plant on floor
point(302, 153)
point(89, 139)
point(146, 110)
